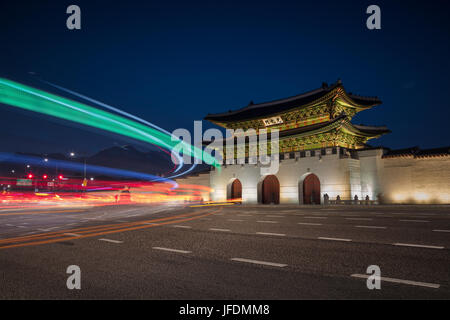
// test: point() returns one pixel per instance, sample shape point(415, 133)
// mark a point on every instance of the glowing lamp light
point(399, 197)
point(30, 176)
point(44, 176)
point(421, 196)
point(60, 177)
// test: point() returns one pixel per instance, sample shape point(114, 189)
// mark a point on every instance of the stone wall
point(337, 175)
point(416, 180)
point(366, 173)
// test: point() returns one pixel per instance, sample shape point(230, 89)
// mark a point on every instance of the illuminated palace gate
point(321, 152)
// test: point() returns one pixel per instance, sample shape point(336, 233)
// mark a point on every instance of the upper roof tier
point(307, 99)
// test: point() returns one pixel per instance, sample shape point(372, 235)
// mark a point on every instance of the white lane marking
point(273, 216)
point(109, 240)
point(409, 282)
point(271, 234)
point(408, 220)
point(310, 224)
point(72, 234)
point(184, 227)
point(267, 221)
point(32, 232)
point(220, 230)
point(417, 245)
point(334, 239)
point(9, 225)
point(363, 219)
point(315, 217)
point(171, 250)
point(236, 220)
point(150, 223)
point(49, 229)
point(265, 263)
point(370, 227)
point(437, 230)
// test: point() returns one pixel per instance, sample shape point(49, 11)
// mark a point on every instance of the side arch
point(234, 190)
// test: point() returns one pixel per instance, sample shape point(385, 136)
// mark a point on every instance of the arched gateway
point(311, 189)
point(235, 190)
point(271, 190)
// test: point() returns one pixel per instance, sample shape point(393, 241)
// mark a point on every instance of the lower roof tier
point(337, 132)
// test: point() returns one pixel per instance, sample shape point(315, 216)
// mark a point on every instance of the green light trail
point(21, 96)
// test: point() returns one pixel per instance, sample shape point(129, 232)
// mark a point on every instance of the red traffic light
point(60, 177)
point(30, 176)
point(44, 176)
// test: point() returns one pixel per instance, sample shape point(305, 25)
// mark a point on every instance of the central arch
point(235, 190)
point(311, 189)
point(270, 190)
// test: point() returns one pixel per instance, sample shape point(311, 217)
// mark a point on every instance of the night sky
point(173, 62)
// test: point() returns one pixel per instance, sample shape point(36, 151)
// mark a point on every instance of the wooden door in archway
point(270, 190)
point(236, 190)
point(311, 190)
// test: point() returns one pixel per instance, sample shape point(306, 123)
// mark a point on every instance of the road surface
point(229, 252)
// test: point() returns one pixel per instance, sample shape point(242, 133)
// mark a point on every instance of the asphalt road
point(231, 252)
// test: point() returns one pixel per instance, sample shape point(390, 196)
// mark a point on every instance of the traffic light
point(44, 176)
point(30, 176)
point(60, 177)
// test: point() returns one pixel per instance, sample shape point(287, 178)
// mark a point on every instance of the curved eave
point(358, 102)
point(365, 131)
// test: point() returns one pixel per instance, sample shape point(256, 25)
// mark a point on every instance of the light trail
point(93, 169)
point(18, 95)
point(107, 106)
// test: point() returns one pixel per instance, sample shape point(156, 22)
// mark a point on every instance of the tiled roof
point(416, 152)
point(269, 108)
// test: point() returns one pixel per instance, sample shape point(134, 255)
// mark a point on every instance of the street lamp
point(72, 154)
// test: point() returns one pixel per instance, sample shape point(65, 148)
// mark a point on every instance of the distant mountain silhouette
point(129, 158)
